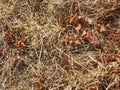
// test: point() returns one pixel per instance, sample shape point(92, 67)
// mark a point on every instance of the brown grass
point(43, 47)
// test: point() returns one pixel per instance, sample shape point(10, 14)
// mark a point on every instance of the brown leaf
point(77, 42)
point(102, 28)
point(84, 33)
point(67, 65)
point(10, 37)
point(5, 27)
point(90, 38)
point(116, 70)
point(93, 88)
point(69, 39)
point(78, 27)
point(108, 42)
point(17, 62)
point(87, 36)
point(39, 86)
point(73, 20)
point(20, 42)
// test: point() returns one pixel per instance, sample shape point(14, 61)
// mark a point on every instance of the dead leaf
point(67, 65)
point(102, 28)
point(108, 42)
point(10, 37)
point(93, 88)
point(71, 19)
point(84, 33)
point(90, 38)
point(17, 62)
point(69, 39)
point(20, 42)
point(40, 86)
point(5, 27)
point(77, 42)
point(87, 36)
point(116, 70)
point(78, 27)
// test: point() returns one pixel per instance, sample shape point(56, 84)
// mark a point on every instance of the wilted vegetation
point(59, 44)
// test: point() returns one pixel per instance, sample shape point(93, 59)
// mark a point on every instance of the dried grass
point(46, 62)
